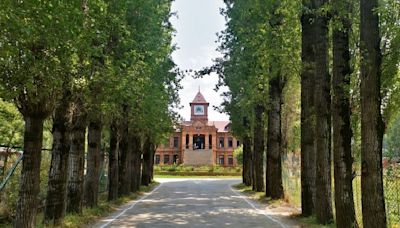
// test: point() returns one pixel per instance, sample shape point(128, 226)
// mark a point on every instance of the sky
point(196, 25)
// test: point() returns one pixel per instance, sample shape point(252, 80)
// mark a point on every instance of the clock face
point(199, 110)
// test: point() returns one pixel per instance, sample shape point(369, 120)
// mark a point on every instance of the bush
point(238, 153)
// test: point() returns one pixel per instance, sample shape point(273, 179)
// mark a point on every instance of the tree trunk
point(146, 170)
point(30, 174)
point(139, 165)
point(372, 126)
point(77, 160)
point(247, 164)
point(274, 187)
point(113, 163)
point(135, 165)
point(123, 172)
point(308, 152)
point(342, 134)
point(56, 199)
point(153, 152)
point(93, 168)
point(259, 149)
point(322, 94)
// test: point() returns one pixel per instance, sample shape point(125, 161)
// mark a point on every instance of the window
point(187, 141)
point(230, 160)
point(166, 159)
point(210, 142)
point(157, 159)
point(221, 142)
point(176, 142)
point(230, 142)
point(221, 160)
point(238, 143)
point(175, 159)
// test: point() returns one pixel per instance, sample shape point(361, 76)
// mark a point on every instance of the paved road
point(192, 203)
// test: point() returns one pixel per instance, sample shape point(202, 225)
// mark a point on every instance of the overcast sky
point(196, 26)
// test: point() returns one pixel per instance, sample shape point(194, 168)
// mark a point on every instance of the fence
point(9, 192)
point(292, 184)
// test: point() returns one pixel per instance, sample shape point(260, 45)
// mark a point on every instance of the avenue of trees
point(320, 76)
point(100, 72)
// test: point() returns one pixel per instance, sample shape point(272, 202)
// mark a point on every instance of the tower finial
point(199, 89)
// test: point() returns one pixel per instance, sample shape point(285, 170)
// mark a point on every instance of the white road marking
point(136, 202)
point(253, 206)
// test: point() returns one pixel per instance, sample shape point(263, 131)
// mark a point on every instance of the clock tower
point(199, 108)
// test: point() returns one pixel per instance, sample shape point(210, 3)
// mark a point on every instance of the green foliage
point(12, 125)
point(238, 153)
point(392, 140)
point(195, 170)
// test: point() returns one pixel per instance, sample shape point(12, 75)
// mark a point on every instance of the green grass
point(92, 215)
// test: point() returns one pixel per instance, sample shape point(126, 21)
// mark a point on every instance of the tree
point(372, 126)
point(308, 153)
point(77, 157)
point(341, 128)
point(322, 103)
point(57, 184)
point(274, 188)
point(32, 68)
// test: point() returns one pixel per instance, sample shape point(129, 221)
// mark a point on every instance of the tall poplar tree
point(341, 128)
point(372, 126)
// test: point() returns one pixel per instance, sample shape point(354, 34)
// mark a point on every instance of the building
point(199, 141)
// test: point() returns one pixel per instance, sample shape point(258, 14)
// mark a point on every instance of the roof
point(222, 126)
point(199, 99)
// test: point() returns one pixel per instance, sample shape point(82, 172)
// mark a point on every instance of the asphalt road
point(192, 203)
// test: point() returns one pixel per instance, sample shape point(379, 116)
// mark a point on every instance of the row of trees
point(102, 72)
point(317, 66)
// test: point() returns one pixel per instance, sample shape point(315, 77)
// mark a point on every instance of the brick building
point(199, 141)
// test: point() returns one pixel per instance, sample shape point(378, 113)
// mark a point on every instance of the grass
point(92, 215)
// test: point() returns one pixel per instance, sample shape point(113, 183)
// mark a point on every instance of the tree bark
point(77, 160)
point(274, 187)
point(113, 163)
point(147, 153)
point(153, 152)
point(342, 134)
point(135, 164)
point(372, 126)
point(322, 97)
point(30, 174)
point(308, 153)
point(93, 168)
point(259, 148)
point(247, 163)
point(123, 172)
point(56, 199)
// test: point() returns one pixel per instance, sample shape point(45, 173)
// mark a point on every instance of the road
point(192, 203)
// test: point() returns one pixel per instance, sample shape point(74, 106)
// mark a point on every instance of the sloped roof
point(222, 126)
point(199, 99)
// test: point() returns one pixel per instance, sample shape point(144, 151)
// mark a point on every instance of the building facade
point(199, 141)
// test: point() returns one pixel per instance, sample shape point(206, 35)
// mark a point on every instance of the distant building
point(199, 141)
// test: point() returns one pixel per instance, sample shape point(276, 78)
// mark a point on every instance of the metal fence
point(9, 183)
point(292, 184)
